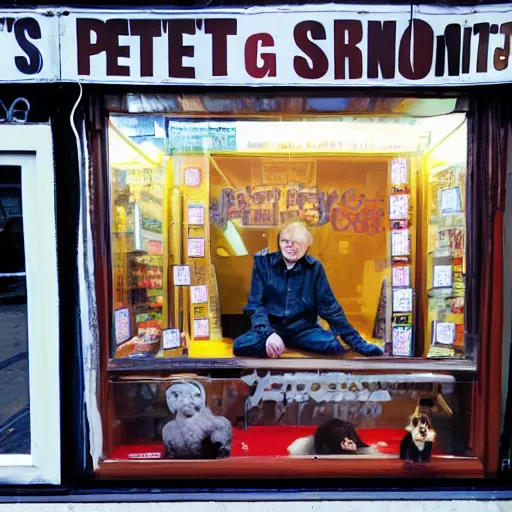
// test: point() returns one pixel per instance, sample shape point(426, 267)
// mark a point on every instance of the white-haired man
point(289, 290)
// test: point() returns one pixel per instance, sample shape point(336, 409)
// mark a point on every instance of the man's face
point(292, 249)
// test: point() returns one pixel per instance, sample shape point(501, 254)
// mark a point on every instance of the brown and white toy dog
point(417, 445)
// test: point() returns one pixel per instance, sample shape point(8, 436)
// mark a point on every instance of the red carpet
point(267, 441)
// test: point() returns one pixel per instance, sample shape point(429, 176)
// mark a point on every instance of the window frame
point(112, 370)
point(31, 148)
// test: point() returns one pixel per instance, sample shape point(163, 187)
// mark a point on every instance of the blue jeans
point(308, 337)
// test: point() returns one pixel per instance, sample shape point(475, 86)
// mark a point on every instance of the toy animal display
point(195, 432)
point(417, 445)
point(334, 437)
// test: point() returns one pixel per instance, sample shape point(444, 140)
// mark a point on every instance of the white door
point(29, 321)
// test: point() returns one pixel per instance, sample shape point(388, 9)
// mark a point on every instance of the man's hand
point(274, 346)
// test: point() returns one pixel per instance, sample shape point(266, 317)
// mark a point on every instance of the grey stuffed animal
point(194, 433)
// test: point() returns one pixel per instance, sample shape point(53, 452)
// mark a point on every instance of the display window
point(275, 263)
point(198, 209)
point(288, 289)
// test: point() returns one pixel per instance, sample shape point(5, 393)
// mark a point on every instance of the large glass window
point(340, 235)
point(194, 200)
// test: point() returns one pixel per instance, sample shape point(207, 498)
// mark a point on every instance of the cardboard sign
point(196, 214)
point(201, 328)
point(196, 247)
point(402, 340)
point(444, 333)
point(171, 339)
point(402, 300)
point(199, 294)
point(181, 275)
point(443, 276)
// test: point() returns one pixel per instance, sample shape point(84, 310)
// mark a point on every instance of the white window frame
point(31, 148)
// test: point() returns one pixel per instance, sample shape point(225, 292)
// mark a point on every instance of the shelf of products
point(446, 246)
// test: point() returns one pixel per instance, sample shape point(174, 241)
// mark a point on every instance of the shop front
point(287, 259)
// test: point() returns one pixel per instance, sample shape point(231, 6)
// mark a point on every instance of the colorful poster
point(401, 276)
point(181, 275)
point(171, 338)
point(122, 325)
point(196, 214)
point(457, 242)
point(400, 242)
point(201, 328)
point(402, 340)
point(199, 294)
point(196, 247)
point(399, 206)
point(442, 276)
point(402, 300)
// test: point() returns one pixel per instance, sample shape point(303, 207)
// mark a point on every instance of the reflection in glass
point(269, 410)
point(14, 395)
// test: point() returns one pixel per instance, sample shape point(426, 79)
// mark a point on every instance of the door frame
point(31, 148)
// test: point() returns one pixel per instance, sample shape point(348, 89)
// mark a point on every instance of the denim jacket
point(283, 296)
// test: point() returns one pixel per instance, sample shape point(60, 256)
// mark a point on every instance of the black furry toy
point(337, 437)
point(334, 437)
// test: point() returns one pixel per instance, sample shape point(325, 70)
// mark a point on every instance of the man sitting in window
point(289, 290)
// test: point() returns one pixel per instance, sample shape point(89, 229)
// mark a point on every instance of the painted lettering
point(347, 35)
point(220, 29)
point(176, 29)
point(260, 65)
point(33, 62)
point(304, 34)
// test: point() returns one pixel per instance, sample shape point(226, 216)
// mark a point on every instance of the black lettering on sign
point(33, 62)
point(347, 35)
point(449, 44)
point(482, 29)
point(147, 31)
point(381, 48)
point(419, 37)
point(304, 34)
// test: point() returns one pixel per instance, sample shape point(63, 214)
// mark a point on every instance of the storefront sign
point(292, 45)
point(29, 46)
